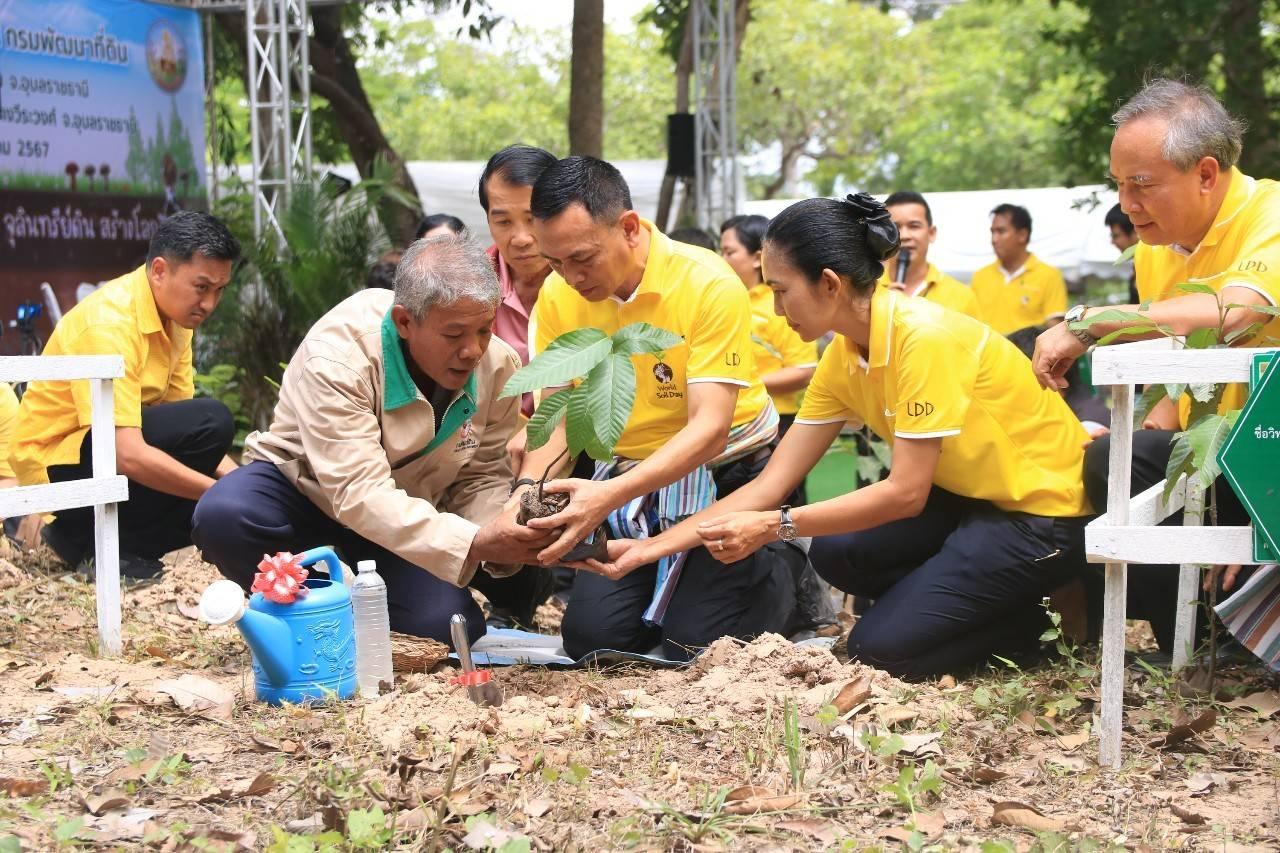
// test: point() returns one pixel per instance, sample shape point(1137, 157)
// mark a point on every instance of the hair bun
point(882, 234)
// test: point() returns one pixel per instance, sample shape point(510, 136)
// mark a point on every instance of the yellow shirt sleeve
point(822, 403)
point(720, 342)
point(182, 384)
point(127, 391)
point(935, 381)
point(1055, 294)
point(8, 417)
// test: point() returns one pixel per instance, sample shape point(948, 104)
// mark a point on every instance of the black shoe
point(69, 551)
point(132, 568)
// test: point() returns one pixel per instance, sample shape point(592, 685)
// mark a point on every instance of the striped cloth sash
point(1252, 615)
point(649, 515)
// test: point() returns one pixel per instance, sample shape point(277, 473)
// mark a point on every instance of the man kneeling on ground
point(389, 443)
point(170, 446)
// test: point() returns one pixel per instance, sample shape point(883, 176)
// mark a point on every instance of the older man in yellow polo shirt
point(1202, 221)
point(916, 231)
point(170, 446)
point(1018, 289)
point(702, 423)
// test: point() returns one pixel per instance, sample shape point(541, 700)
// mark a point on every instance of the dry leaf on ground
point(199, 696)
point(108, 800)
point(852, 694)
point(1265, 702)
point(1187, 816)
point(820, 830)
point(23, 787)
point(1186, 731)
point(752, 799)
point(255, 787)
point(1012, 813)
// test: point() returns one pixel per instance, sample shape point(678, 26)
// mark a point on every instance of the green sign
point(1250, 458)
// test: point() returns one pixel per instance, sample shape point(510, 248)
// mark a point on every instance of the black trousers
point(198, 433)
point(953, 586)
point(712, 600)
point(1152, 590)
point(255, 510)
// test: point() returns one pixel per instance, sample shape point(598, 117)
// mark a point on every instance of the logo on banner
point(166, 56)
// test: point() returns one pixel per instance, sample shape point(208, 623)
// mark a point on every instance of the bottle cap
point(222, 602)
point(366, 566)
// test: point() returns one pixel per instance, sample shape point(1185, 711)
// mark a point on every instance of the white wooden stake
point(106, 532)
point(1184, 626)
point(1115, 591)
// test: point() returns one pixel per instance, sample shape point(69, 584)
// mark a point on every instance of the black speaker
point(680, 145)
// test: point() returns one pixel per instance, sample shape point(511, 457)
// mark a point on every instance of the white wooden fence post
point(1184, 625)
point(106, 532)
point(1116, 583)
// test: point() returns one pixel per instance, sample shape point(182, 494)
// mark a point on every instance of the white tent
point(1067, 228)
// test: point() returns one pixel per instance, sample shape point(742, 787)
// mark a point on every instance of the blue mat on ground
point(508, 647)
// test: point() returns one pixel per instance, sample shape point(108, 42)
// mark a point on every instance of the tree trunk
point(1244, 67)
point(586, 79)
point(335, 77)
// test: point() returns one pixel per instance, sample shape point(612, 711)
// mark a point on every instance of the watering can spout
point(268, 636)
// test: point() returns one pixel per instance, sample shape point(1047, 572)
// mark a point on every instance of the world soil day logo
point(166, 56)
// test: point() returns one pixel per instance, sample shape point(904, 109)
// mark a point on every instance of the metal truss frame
point(715, 112)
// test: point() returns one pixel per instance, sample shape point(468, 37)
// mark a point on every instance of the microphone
point(904, 261)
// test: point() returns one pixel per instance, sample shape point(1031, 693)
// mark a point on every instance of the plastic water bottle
point(373, 629)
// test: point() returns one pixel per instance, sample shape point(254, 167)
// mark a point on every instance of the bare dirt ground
point(763, 746)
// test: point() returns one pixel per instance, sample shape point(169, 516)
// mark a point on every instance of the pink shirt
point(512, 320)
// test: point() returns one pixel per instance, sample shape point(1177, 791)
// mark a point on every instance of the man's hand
point(625, 556)
point(732, 537)
point(1056, 350)
point(590, 502)
point(516, 447)
point(504, 541)
point(1228, 577)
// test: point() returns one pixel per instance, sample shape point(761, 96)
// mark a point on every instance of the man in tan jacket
point(389, 443)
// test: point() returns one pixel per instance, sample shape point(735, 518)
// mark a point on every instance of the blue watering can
point(302, 652)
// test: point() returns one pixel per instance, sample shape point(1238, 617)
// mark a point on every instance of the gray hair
point(1198, 125)
point(444, 270)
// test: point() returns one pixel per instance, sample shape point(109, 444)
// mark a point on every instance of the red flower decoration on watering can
point(280, 578)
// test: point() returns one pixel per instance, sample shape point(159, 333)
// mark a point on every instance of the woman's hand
point(625, 556)
point(732, 537)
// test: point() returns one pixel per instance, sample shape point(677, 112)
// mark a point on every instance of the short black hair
point(520, 165)
point(910, 197)
point(596, 185)
point(193, 232)
point(1117, 216)
point(1019, 217)
point(1025, 340)
point(383, 272)
point(694, 237)
point(749, 229)
point(435, 220)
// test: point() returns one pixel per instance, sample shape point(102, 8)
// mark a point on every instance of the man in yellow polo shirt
point(700, 417)
point(170, 446)
point(1201, 221)
point(917, 232)
point(1018, 289)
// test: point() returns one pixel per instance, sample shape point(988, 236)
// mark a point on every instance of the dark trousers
point(953, 586)
point(1152, 589)
point(255, 511)
point(197, 433)
point(712, 600)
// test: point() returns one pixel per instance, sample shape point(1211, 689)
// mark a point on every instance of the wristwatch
point(1075, 315)
point(786, 528)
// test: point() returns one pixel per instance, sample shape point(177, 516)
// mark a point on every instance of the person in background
point(383, 272)
point(389, 442)
point(1093, 413)
point(1018, 289)
point(784, 361)
point(1199, 219)
point(701, 424)
point(983, 510)
point(914, 219)
point(1123, 235)
point(694, 237)
point(171, 447)
point(439, 224)
point(21, 530)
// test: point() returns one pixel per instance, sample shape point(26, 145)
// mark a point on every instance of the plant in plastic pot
point(600, 377)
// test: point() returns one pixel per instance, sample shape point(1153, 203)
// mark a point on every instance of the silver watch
point(786, 528)
point(1075, 315)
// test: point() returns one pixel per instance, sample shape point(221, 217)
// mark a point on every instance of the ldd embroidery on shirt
point(467, 440)
point(666, 384)
point(917, 409)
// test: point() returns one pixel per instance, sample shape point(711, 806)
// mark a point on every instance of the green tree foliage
point(439, 98)
point(1232, 45)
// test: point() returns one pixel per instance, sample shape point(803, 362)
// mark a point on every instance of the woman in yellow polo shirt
point(983, 510)
point(784, 361)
